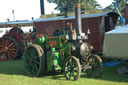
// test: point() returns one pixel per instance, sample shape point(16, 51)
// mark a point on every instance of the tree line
point(86, 5)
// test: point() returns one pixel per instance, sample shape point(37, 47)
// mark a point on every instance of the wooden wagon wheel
point(96, 65)
point(72, 68)
point(34, 61)
point(9, 48)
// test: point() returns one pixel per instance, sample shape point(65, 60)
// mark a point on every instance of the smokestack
point(126, 13)
point(66, 11)
point(78, 19)
point(42, 7)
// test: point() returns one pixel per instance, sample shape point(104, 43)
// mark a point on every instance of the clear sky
point(26, 9)
point(105, 3)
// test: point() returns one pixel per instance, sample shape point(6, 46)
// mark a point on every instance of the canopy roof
point(119, 30)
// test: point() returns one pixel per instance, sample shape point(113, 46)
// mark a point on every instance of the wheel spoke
point(10, 45)
point(36, 68)
point(6, 42)
point(70, 75)
point(3, 54)
point(33, 71)
point(1, 43)
point(9, 42)
point(1, 50)
point(12, 49)
point(36, 62)
point(74, 75)
point(12, 53)
point(27, 58)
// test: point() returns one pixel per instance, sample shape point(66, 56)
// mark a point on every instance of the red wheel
point(8, 48)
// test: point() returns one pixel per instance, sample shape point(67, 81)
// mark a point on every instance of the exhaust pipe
point(66, 11)
point(42, 7)
point(78, 19)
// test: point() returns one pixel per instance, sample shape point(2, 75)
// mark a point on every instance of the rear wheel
point(34, 61)
point(72, 68)
point(96, 66)
point(9, 48)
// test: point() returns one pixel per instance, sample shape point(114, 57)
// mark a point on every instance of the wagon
point(115, 41)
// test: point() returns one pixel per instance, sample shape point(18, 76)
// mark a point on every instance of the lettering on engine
point(52, 42)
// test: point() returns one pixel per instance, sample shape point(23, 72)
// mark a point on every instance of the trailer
point(94, 23)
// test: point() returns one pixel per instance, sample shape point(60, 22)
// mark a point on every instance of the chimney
point(126, 13)
point(78, 19)
point(66, 11)
point(42, 7)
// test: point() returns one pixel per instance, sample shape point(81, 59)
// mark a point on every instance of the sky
point(26, 9)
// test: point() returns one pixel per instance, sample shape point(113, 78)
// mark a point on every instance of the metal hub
point(6, 48)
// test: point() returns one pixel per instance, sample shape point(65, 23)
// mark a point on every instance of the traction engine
point(13, 43)
point(63, 51)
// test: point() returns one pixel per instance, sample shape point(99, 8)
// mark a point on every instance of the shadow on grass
point(111, 74)
point(14, 67)
point(54, 75)
point(58, 77)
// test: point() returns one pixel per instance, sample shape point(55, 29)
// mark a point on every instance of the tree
point(120, 5)
point(86, 4)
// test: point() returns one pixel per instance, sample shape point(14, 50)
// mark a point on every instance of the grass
point(12, 73)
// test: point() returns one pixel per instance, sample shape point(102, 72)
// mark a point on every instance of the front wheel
point(96, 67)
point(72, 68)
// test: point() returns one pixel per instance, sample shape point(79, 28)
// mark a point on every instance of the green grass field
point(12, 73)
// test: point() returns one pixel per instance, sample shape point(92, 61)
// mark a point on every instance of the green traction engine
point(63, 51)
